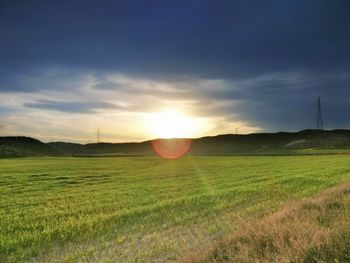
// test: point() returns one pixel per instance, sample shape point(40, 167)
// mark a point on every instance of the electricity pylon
point(319, 115)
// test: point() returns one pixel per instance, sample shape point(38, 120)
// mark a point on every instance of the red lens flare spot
point(171, 148)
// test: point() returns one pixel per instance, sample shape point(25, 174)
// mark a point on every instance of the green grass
point(144, 208)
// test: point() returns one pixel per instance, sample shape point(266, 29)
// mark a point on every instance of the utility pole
point(98, 135)
point(319, 115)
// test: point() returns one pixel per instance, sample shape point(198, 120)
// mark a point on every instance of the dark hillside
point(265, 142)
point(103, 148)
point(142, 148)
point(228, 144)
point(24, 146)
point(65, 148)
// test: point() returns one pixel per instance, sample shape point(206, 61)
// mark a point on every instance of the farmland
point(143, 209)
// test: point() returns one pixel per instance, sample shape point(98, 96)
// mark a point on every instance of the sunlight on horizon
point(171, 123)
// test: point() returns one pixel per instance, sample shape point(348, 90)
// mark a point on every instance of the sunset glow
point(171, 123)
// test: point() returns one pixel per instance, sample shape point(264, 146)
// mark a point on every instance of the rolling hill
point(18, 146)
point(228, 144)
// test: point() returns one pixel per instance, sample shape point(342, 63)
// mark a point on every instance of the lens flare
point(171, 148)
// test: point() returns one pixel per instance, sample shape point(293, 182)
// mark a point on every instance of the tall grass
point(311, 230)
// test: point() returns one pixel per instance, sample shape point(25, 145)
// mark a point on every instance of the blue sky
point(69, 67)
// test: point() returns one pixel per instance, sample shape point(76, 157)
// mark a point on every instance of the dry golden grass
point(310, 230)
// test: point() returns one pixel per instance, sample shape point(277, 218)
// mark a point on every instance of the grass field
point(142, 209)
point(310, 230)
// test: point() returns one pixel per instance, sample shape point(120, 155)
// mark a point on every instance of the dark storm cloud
point(277, 102)
point(73, 107)
point(207, 38)
point(36, 79)
point(275, 56)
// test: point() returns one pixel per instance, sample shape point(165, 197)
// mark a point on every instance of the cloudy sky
point(68, 68)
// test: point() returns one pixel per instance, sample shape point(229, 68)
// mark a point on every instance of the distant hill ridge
point(20, 146)
point(226, 144)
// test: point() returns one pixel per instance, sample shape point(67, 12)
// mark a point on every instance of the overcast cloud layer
point(69, 67)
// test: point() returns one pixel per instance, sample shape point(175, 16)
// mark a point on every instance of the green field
point(145, 208)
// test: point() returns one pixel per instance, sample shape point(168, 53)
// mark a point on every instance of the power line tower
point(98, 135)
point(319, 115)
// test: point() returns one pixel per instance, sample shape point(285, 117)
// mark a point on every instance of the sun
point(171, 123)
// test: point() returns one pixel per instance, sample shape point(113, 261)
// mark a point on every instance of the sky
point(68, 68)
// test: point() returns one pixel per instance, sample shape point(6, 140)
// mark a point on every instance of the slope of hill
point(24, 146)
point(65, 148)
point(260, 143)
point(132, 148)
point(228, 144)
